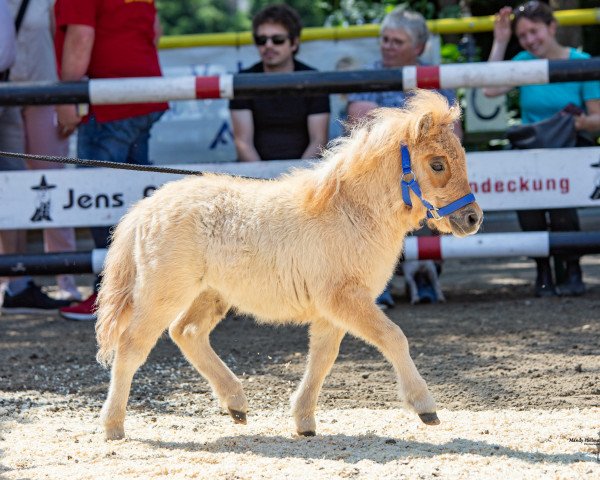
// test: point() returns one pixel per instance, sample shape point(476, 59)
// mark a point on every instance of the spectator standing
point(19, 292)
point(402, 40)
point(535, 27)
point(107, 39)
point(35, 61)
point(278, 127)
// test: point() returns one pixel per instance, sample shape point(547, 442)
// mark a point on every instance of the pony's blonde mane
point(374, 140)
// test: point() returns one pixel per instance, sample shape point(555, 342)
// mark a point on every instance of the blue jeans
point(123, 141)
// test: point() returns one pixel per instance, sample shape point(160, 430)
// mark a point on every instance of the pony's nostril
point(473, 218)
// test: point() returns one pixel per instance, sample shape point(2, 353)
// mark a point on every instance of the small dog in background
point(422, 282)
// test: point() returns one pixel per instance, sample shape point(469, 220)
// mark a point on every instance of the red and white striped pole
point(488, 245)
point(160, 89)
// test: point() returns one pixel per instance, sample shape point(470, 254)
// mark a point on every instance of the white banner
point(504, 180)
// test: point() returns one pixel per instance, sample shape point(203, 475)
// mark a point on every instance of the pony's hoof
point(429, 418)
point(114, 434)
point(308, 433)
point(238, 416)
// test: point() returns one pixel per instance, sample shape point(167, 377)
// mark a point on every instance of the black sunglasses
point(278, 39)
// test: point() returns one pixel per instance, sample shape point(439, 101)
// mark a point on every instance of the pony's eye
point(437, 166)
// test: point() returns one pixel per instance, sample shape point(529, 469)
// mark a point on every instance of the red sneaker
point(83, 312)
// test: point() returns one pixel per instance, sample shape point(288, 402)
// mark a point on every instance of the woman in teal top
point(539, 102)
point(535, 27)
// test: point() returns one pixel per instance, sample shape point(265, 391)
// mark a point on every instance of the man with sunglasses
point(279, 127)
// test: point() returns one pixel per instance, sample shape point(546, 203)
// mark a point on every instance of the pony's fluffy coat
point(281, 250)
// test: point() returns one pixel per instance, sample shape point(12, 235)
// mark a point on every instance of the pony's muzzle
point(466, 220)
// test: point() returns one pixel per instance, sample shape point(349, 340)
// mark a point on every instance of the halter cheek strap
point(408, 182)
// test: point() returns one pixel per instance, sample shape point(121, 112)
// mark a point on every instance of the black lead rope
point(101, 163)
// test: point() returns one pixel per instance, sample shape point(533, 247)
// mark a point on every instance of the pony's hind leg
point(352, 308)
point(191, 333)
point(148, 320)
point(325, 339)
point(133, 349)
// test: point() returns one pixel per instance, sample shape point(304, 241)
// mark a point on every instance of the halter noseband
point(408, 182)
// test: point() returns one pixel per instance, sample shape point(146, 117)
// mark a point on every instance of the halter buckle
point(434, 213)
point(405, 175)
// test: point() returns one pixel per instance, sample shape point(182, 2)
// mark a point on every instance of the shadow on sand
point(353, 449)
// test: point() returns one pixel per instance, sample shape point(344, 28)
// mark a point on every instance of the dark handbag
point(558, 131)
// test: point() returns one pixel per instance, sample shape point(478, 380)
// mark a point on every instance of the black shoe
point(545, 290)
point(573, 286)
point(32, 299)
point(571, 289)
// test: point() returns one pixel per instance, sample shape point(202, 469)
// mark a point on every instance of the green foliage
point(312, 13)
point(354, 12)
point(358, 12)
point(212, 16)
point(450, 53)
point(425, 7)
point(200, 16)
point(464, 51)
point(180, 17)
point(450, 11)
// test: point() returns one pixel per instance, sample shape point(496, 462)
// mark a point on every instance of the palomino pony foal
point(315, 246)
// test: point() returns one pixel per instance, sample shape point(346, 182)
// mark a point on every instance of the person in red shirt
point(107, 39)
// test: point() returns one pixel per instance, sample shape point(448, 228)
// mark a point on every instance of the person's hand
point(68, 119)
point(502, 28)
point(581, 122)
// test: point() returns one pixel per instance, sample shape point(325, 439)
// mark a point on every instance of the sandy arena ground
point(517, 380)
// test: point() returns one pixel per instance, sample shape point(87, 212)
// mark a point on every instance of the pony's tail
point(115, 299)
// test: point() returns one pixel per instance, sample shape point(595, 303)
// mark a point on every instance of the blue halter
point(408, 185)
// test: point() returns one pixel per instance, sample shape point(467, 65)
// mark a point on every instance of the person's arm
point(243, 135)
point(589, 122)
point(502, 34)
point(318, 132)
point(358, 110)
point(76, 56)
point(158, 30)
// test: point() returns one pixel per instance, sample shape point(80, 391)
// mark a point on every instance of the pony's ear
point(423, 125)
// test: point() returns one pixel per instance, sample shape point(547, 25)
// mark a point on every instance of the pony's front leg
point(353, 309)
point(325, 339)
